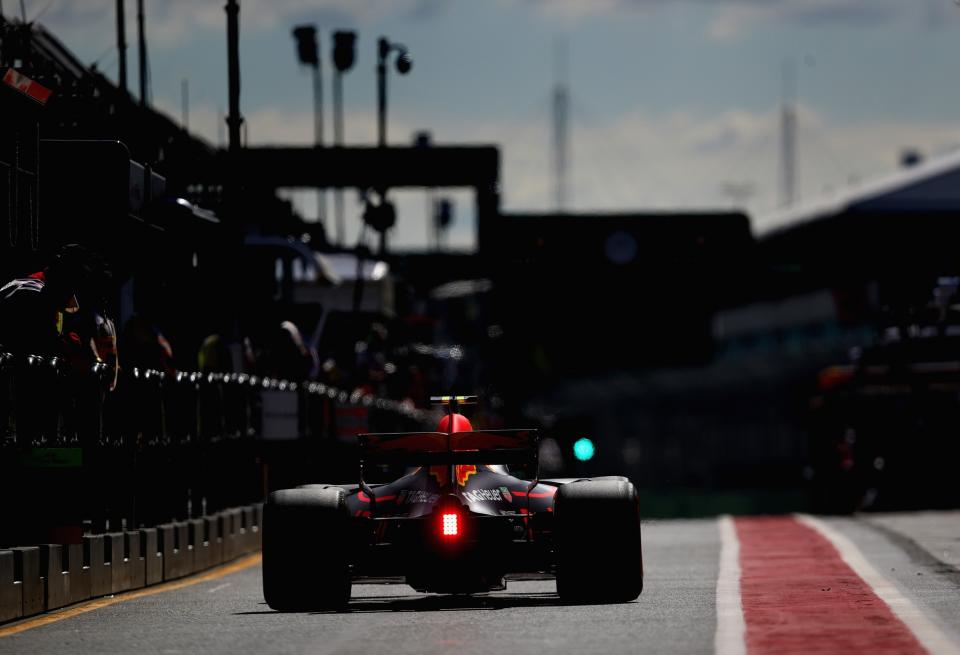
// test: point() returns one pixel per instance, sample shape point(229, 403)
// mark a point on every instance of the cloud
point(737, 17)
point(733, 19)
point(576, 10)
point(636, 162)
point(173, 22)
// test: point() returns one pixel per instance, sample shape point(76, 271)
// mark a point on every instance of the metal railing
point(45, 403)
point(164, 447)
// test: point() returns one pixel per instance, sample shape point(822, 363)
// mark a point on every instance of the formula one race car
point(455, 523)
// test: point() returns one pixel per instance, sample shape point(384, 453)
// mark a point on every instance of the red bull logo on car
point(463, 472)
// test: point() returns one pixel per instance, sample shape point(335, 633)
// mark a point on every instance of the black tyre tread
point(598, 541)
point(305, 565)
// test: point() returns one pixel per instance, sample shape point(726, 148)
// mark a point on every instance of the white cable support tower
point(788, 135)
point(561, 111)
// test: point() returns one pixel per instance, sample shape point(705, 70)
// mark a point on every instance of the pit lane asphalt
point(675, 614)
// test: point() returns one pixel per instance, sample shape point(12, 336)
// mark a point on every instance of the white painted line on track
point(928, 634)
point(730, 638)
point(218, 588)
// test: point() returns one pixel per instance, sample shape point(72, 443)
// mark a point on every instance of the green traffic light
point(583, 449)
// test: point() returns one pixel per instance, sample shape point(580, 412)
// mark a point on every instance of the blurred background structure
point(558, 239)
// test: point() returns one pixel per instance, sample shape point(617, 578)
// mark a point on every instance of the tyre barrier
point(41, 578)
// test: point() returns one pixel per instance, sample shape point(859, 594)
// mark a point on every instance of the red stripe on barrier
point(799, 596)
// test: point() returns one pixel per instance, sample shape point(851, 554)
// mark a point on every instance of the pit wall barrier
point(45, 403)
point(161, 446)
point(41, 578)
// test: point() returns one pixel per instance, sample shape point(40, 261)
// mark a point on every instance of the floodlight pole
point(318, 132)
point(404, 63)
point(338, 141)
point(234, 119)
point(383, 49)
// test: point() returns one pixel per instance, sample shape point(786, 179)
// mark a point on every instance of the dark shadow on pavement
point(260, 612)
point(439, 603)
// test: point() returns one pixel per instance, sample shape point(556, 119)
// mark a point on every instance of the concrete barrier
point(115, 547)
point(187, 541)
point(57, 588)
point(212, 525)
point(51, 576)
point(250, 529)
point(11, 589)
point(223, 527)
point(227, 521)
point(243, 533)
point(100, 570)
point(187, 564)
point(200, 545)
point(258, 523)
point(236, 535)
point(174, 542)
point(79, 570)
point(152, 556)
point(136, 561)
point(165, 544)
point(239, 533)
point(27, 563)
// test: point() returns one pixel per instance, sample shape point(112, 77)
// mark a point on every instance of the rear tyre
point(599, 559)
point(305, 538)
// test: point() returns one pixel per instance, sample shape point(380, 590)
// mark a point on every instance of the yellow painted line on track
point(106, 601)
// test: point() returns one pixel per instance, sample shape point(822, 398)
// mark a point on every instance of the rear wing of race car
point(429, 448)
point(432, 448)
point(441, 448)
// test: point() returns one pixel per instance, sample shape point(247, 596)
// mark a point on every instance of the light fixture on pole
point(344, 54)
point(308, 54)
point(404, 64)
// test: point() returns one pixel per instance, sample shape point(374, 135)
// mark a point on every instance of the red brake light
point(451, 524)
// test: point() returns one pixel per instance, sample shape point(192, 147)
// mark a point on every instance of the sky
point(672, 102)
